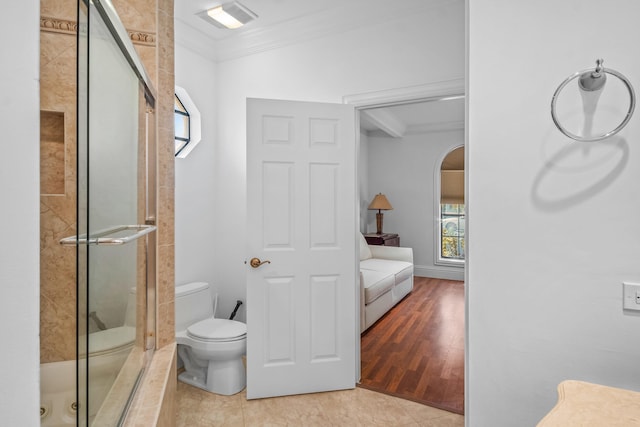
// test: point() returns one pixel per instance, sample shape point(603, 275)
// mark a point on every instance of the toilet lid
point(217, 330)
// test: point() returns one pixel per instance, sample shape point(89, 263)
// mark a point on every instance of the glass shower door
point(116, 206)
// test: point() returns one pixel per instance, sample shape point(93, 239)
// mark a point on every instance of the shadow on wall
point(577, 172)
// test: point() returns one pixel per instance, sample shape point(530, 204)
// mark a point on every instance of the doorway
point(391, 122)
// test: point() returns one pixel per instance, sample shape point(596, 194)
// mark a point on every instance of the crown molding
point(55, 25)
point(425, 92)
point(64, 26)
point(194, 40)
point(142, 38)
point(287, 33)
point(301, 29)
point(325, 23)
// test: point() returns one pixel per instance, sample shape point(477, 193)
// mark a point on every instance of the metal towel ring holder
point(591, 80)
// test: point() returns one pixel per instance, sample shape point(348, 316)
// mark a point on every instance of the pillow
point(365, 252)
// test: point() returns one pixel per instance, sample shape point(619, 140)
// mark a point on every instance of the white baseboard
point(439, 272)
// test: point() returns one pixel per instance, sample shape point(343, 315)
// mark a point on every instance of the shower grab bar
point(100, 238)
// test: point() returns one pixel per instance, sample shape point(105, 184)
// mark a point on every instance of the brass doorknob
point(255, 262)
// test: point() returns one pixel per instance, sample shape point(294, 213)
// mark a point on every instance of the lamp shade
point(380, 202)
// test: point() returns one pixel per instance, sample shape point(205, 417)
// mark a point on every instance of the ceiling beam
point(386, 121)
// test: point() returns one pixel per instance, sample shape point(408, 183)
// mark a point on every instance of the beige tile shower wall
point(58, 211)
point(166, 159)
point(150, 26)
point(139, 18)
point(66, 10)
point(58, 95)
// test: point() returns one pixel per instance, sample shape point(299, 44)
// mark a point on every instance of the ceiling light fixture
point(229, 15)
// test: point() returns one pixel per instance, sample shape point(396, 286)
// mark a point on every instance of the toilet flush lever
point(255, 262)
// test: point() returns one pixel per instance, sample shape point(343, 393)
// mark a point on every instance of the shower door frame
point(83, 239)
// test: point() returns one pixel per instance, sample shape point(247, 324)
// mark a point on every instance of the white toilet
point(210, 349)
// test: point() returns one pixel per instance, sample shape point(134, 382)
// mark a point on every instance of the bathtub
point(58, 405)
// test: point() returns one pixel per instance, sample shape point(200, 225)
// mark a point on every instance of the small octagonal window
point(186, 122)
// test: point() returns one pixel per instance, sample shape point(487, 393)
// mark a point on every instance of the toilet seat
point(111, 340)
point(217, 330)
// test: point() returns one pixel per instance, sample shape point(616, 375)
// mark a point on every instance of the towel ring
point(598, 72)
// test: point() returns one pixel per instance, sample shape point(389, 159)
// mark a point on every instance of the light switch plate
point(630, 296)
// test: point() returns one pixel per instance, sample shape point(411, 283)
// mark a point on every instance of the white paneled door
point(301, 216)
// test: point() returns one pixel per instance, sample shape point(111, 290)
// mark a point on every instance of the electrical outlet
point(631, 296)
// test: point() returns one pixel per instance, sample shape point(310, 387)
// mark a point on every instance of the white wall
point(195, 176)
point(363, 180)
point(404, 170)
point(552, 227)
point(19, 228)
point(412, 50)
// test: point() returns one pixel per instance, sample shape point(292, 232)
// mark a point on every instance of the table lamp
point(380, 203)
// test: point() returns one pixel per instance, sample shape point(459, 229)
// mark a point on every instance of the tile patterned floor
point(357, 407)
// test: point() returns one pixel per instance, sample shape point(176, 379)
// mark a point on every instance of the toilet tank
point(194, 302)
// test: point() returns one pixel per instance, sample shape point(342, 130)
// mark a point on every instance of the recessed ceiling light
point(229, 15)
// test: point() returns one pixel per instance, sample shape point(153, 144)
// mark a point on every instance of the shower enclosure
point(115, 241)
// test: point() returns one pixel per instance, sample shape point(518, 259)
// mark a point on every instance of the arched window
point(451, 212)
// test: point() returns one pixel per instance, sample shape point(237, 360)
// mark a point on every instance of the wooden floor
point(416, 351)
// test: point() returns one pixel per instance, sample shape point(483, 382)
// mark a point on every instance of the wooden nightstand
point(384, 239)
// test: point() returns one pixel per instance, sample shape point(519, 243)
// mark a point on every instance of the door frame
point(436, 91)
